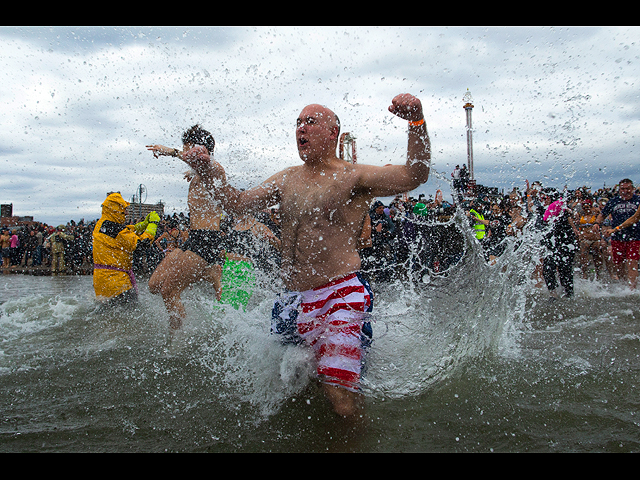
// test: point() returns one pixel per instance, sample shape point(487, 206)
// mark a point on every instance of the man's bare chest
point(199, 196)
point(311, 200)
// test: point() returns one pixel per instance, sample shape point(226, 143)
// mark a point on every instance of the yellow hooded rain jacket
point(113, 246)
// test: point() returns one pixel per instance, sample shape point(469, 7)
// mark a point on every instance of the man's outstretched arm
point(233, 200)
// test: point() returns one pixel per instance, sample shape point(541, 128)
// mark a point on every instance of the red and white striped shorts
point(330, 319)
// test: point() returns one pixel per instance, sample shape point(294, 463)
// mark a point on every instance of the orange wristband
point(415, 124)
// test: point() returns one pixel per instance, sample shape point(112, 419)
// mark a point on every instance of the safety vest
point(478, 227)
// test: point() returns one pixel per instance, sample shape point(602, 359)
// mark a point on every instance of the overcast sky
point(79, 104)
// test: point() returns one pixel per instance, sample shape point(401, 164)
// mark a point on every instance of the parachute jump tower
point(348, 147)
point(468, 106)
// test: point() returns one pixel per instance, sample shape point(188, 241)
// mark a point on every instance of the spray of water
point(426, 330)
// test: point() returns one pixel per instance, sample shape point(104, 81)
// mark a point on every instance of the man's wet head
point(197, 135)
point(317, 133)
point(626, 189)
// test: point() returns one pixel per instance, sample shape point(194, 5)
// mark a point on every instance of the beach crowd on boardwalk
point(581, 233)
point(404, 238)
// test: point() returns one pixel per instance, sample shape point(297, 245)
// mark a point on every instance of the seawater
point(475, 360)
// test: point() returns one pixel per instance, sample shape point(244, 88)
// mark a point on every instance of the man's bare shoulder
point(287, 171)
point(285, 176)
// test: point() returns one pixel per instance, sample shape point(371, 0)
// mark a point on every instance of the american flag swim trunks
point(333, 320)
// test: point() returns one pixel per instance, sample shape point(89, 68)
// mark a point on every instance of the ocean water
point(477, 360)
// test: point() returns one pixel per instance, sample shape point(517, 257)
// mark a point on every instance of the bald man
point(323, 203)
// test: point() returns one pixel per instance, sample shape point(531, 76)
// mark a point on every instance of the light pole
point(468, 106)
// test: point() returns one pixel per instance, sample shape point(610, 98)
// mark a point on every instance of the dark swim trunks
point(207, 244)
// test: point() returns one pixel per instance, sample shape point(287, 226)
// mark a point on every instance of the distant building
point(8, 219)
point(137, 211)
point(15, 221)
point(6, 210)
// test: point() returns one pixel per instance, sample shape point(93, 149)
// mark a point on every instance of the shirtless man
point(322, 204)
point(5, 244)
point(199, 259)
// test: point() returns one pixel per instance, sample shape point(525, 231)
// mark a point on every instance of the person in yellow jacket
point(113, 245)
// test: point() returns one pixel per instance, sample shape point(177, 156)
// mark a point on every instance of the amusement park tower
point(468, 106)
point(348, 147)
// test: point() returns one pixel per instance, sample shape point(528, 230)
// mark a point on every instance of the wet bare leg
point(214, 276)
point(178, 271)
point(345, 402)
point(632, 273)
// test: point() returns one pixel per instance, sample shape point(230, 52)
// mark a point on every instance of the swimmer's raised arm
point(197, 158)
point(233, 200)
point(166, 151)
point(393, 179)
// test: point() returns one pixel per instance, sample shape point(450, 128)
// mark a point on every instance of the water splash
point(426, 331)
point(436, 328)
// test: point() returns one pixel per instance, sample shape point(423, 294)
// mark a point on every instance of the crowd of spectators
point(39, 245)
point(407, 238)
point(67, 249)
point(572, 244)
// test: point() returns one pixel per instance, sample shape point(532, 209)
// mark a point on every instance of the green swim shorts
point(238, 281)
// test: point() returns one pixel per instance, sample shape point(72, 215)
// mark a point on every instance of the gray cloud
point(78, 105)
